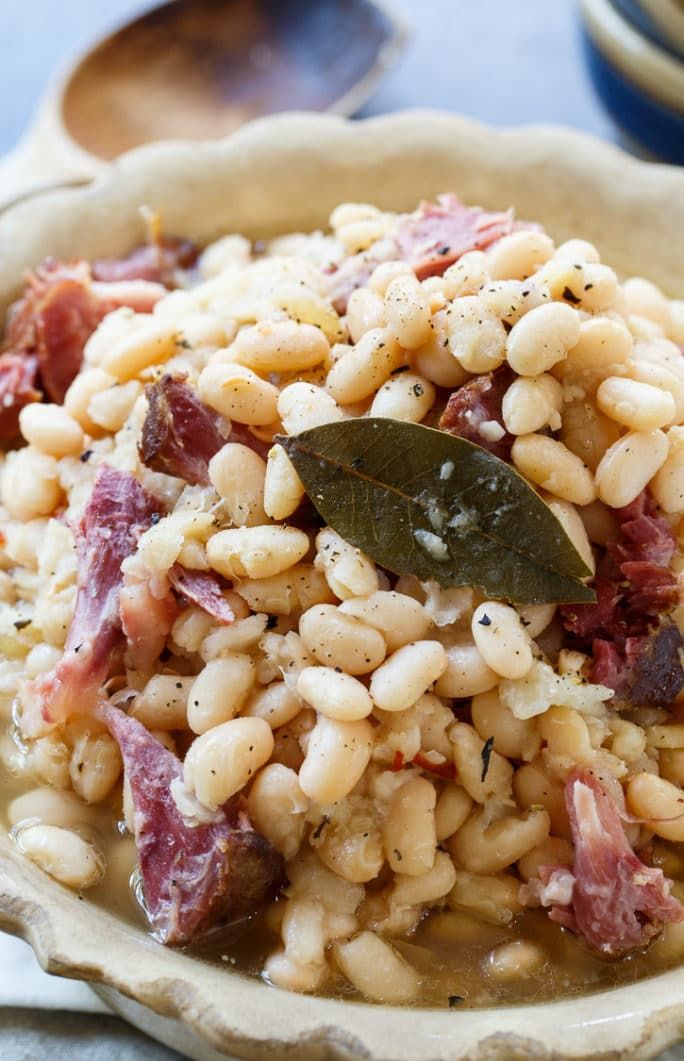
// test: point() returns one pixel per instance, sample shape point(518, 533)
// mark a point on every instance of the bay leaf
point(423, 502)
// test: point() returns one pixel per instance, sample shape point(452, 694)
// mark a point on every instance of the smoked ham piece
point(180, 433)
point(196, 876)
point(156, 262)
point(636, 647)
point(203, 588)
point(118, 511)
point(440, 233)
point(48, 328)
point(479, 402)
point(610, 898)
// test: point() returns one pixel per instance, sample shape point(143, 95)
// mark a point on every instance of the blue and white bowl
point(662, 21)
point(640, 83)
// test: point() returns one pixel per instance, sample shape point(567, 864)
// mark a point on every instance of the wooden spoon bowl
point(197, 69)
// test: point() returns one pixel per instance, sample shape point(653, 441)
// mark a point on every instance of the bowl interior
point(274, 176)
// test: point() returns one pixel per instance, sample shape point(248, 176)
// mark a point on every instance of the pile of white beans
point(331, 680)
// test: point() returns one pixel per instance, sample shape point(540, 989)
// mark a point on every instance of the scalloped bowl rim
point(285, 172)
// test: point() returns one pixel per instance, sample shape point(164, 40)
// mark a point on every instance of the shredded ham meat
point(203, 588)
point(611, 898)
point(196, 877)
point(157, 262)
point(146, 620)
point(440, 233)
point(180, 434)
point(118, 511)
point(478, 402)
point(636, 648)
point(60, 309)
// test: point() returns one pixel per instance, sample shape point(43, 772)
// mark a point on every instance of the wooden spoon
point(196, 69)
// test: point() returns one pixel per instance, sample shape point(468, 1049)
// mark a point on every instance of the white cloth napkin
point(23, 983)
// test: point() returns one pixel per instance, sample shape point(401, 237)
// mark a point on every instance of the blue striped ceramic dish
point(640, 83)
point(660, 21)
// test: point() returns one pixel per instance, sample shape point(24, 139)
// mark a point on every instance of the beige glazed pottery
point(283, 174)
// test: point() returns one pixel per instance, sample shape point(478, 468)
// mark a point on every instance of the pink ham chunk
point(611, 898)
point(431, 239)
point(476, 403)
point(146, 620)
point(154, 262)
point(50, 325)
point(180, 434)
point(204, 589)
point(118, 511)
point(196, 876)
point(635, 645)
point(440, 233)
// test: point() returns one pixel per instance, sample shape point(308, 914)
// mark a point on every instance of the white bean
point(365, 310)
point(531, 403)
point(409, 672)
point(407, 312)
point(629, 465)
point(667, 486)
point(477, 338)
point(302, 406)
point(376, 969)
point(409, 831)
point(95, 766)
point(51, 429)
point(519, 255)
point(399, 618)
point(163, 703)
point(237, 392)
point(238, 475)
point(348, 571)
point(359, 373)
point(341, 641)
point(277, 807)
point(334, 694)
point(542, 338)
point(222, 761)
point(283, 489)
point(434, 360)
point(404, 397)
point(639, 406)
point(280, 346)
point(503, 642)
point(551, 465)
point(277, 704)
point(466, 672)
point(219, 691)
point(63, 854)
point(29, 484)
point(256, 552)
point(336, 756)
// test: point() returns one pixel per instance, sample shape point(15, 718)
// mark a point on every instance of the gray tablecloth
point(500, 61)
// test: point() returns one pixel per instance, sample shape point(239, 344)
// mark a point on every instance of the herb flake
point(486, 755)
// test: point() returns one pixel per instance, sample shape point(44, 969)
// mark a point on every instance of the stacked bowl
point(635, 55)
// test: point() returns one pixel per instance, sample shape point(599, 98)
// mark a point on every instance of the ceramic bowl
point(277, 175)
point(640, 83)
point(662, 21)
